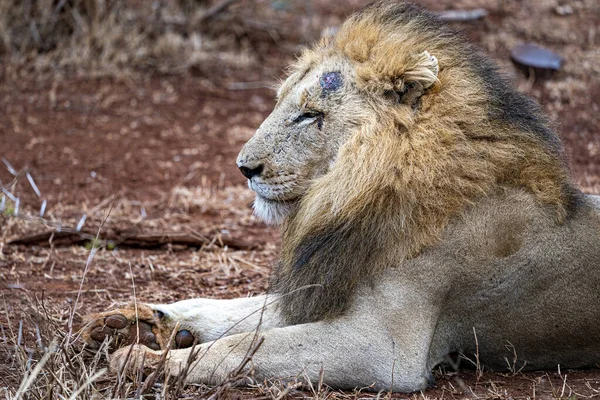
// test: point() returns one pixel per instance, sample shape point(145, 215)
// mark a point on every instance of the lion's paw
point(129, 360)
point(129, 325)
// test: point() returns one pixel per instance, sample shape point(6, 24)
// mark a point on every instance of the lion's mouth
point(274, 193)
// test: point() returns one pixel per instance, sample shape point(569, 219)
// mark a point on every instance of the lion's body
point(425, 208)
point(518, 282)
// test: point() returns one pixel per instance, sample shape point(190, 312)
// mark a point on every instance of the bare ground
point(156, 152)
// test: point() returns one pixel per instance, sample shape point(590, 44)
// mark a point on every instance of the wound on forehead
point(330, 82)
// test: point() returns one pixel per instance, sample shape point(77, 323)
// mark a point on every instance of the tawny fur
point(405, 173)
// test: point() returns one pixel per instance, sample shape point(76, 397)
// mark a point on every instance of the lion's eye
point(309, 117)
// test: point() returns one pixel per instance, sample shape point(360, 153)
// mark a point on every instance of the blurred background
point(128, 115)
point(143, 93)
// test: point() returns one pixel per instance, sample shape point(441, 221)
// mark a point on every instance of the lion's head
point(382, 134)
point(299, 141)
point(319, 107)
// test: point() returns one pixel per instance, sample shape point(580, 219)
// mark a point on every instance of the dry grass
point(56, 366)
point(42, 355)
point(62, 369)
point(111, 37)
point(53, 368)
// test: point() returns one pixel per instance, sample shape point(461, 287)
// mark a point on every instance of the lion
point(425, 208)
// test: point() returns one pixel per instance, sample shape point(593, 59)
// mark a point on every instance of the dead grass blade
point(28, 379)
point(93, 251)
point(87, 383)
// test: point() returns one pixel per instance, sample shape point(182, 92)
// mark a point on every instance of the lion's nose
point(250, 171)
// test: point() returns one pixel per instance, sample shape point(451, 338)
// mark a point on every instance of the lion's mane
point(403, 175)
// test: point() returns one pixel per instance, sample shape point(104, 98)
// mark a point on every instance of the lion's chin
point(271, 211)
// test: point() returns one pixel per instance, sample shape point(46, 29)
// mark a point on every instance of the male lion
point(422, 201)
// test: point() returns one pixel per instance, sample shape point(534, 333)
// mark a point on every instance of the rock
point(563, 10)
point(533, 58)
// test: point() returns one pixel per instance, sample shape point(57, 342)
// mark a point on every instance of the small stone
point(533, 56)
point(563, 10)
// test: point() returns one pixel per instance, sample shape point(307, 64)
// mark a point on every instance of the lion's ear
point(424, 70)
point(421, 74)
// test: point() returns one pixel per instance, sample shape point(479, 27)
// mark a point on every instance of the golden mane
point(406, 173)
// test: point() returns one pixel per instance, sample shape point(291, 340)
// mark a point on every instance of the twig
point(214, 10)
point(237, 373)
point(120, 378)
point(68, 237)
point(151, 379)
point(478, 365)
point(29, 380)
point(288, 389)
point(96, 291)
point(85, 271)
point(87, 383)
point(249, 85)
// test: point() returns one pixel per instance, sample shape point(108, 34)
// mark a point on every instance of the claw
point(184, 339)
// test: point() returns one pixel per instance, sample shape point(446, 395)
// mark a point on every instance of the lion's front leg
point(181, 324)
point(358, 350)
